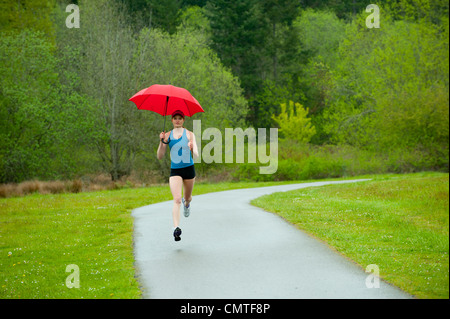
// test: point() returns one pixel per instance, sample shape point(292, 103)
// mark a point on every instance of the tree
point(184, 60)
point(40, 128)
point(113, 64)
point(194, 18)
point(294, 123)
point(165, 14)
point(103, 50)
point(344, 9)
point(139, 13)
point(280, 14)
point(428, 11)
point(238, 36)
point(321, 33)
point(27, 14)
point(268, 99)
point(391, 89)
point(199, 3)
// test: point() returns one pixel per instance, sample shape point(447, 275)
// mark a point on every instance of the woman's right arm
point(162, 147)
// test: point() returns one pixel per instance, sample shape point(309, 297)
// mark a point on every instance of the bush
point(29, 187)
point(319, 167)
point(76, 186)
point(294, 122)
point(299, 161)
point(288, 169)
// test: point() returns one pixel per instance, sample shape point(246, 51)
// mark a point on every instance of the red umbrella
point(165, 99)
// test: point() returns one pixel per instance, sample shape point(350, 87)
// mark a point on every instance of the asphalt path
point(230, 249)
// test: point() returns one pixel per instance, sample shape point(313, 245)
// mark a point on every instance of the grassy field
point(41, 235)
point(398, 222)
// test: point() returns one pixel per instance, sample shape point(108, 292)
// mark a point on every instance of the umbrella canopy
point(166, 99)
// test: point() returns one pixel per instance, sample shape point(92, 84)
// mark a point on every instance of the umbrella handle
point(164, 129)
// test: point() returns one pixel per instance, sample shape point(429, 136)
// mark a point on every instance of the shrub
point(29, 187)
point(288, 169)
point(294, 123)
point(9, 190)
point(76, 186)
point(53, 187)
point(319, 167)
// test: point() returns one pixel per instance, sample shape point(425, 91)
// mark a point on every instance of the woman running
point(182, 173)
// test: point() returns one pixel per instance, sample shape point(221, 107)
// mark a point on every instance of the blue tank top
point(180, 154)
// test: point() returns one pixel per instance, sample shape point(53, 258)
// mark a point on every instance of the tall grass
point(35, 186)
point(88, 183)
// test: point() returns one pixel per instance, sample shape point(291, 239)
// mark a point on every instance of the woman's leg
point(176, 183)
point(188, 187)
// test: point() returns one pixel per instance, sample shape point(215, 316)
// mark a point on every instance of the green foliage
point(344, 9)
point(320, 34)
point(268, 100)
point(185, 60)
point(429, 11)
point(291, 170)
point(27, 14)
point(294, 123)
point(391, 89)
point(39, 115)
point(238, 36)
point(300, 161)
point(64, 93)
point(195, 18)
point(165, 14)
point(65, 108)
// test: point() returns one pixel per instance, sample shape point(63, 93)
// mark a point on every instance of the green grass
point(398, 222)
point(41, 235)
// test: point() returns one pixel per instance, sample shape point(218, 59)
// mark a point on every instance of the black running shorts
point(185, 172)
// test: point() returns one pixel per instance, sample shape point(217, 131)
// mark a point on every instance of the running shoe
point(187, 210)
point(177, 234)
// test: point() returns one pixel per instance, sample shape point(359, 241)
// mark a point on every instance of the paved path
point(230, 249)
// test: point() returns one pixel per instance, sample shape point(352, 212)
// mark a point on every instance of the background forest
point(348, 99)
